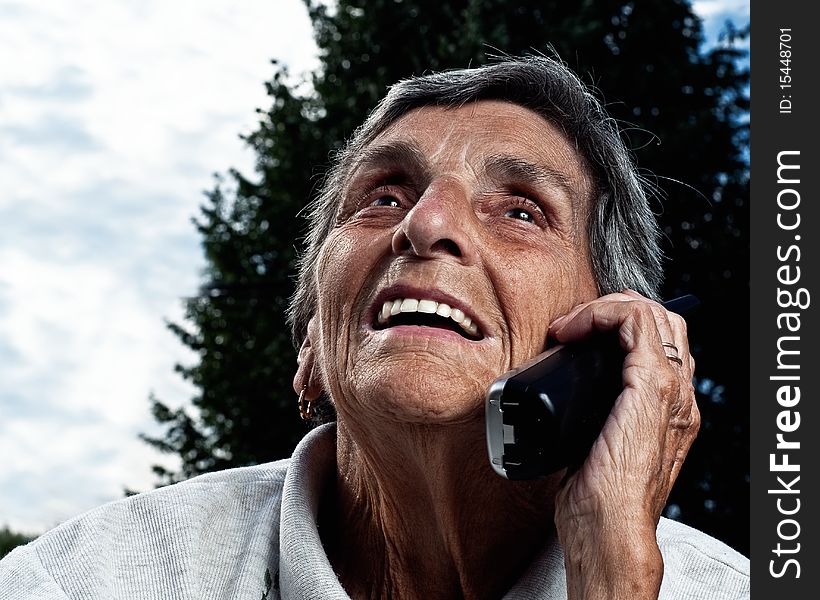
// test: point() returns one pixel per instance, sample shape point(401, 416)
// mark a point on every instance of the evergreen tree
point(682, 111)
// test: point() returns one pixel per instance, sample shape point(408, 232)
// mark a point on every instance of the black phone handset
point(546, 414)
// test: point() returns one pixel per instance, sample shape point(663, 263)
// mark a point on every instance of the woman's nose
point(438, 225)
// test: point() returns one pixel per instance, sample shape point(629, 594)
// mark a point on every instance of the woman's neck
point(418, 512)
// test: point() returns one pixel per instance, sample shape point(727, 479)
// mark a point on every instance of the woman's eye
point(520, 214)
point(390, 201)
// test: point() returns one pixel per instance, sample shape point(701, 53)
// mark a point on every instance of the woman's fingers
point(685, 415)
point(655, 419)
point(614, 312)
point(644, 327)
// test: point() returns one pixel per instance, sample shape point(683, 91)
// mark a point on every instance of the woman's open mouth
point(426, 313)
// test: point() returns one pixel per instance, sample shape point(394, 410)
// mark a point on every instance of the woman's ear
point(306, 378)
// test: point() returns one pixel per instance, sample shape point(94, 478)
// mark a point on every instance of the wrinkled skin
point(485, 207)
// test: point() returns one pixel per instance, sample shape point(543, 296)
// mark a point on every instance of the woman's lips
point(425, 306)
point(425, 309)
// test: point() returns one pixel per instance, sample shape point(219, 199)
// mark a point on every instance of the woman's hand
point(608, 510)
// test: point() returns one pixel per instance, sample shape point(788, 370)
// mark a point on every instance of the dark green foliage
point(645, 58)
point(9, 540)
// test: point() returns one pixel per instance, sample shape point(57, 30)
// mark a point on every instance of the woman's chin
point(425, 412)
point(427, 405)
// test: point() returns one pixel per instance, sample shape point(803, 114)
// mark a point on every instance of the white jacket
point(216, 536)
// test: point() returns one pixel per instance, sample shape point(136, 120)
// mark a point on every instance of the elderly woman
point(476, 217)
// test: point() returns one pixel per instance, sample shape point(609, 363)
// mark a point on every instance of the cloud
point(69, 83)
point(88, 350)
point(56, 131)
point(109, 130)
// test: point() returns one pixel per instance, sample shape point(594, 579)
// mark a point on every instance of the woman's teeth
point(410, 305)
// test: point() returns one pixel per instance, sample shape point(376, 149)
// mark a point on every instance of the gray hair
point(623, 232)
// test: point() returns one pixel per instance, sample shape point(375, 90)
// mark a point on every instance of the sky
point(114, 116)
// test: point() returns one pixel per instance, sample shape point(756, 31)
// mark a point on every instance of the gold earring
point(305, 406)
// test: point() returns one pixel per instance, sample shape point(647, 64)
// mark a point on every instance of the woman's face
point(480, 209)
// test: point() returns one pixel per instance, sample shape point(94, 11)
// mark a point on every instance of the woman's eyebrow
point(508, 167)
point(394, 155)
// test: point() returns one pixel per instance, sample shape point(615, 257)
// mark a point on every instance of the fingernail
point(557, 322)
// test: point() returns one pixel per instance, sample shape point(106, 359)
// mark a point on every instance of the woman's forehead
point(478, 137)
